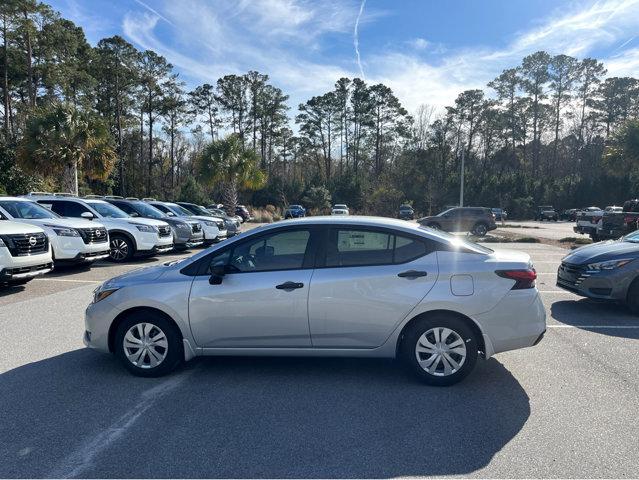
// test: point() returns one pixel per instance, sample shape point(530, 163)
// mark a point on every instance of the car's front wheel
point(148, 344)
point(121, 248)
point(633, 297)
point(440, 349)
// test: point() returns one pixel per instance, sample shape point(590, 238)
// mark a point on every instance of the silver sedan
point(325, 286)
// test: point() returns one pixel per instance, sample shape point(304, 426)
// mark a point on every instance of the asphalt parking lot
point(565, 408)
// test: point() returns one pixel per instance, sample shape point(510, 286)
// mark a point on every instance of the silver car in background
point(325, 286)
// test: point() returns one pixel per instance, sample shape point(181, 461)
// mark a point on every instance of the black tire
point(480, 229)
point(632, 299)
point(121, 248)
point(413, 335)
point(174, 353)
point(434, 226)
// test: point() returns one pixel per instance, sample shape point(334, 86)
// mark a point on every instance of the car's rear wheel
point(148, 345)
point(633, 297)
point(440, 349)
point(121, 248)
point(480, 229)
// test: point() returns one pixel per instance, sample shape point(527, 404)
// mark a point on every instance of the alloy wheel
point(440, 351)
point(119, 249)
point(481, 230)
point(145, 345)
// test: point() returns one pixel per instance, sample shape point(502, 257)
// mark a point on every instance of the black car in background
point(500, 214)
point(546, 213)
point(477, 220)
point(406, 212)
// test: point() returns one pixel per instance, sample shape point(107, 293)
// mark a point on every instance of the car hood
point(601, 251)
point(13, 228)
point(139, 275)
point(212, 218)
point(151, 222)
point(65, 222)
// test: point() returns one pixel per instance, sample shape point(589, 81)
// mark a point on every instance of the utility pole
point(461, 186)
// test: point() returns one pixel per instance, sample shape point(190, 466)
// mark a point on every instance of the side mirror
point(87, 215)
point(134, 214)
point(170, 214)
point(217, 274)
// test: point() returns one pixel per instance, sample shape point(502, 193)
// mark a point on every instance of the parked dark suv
point(546, 213)
point(406, 212)
point(477, 220)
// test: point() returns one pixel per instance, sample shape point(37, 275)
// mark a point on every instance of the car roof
point(355, 220)
point(20, 199)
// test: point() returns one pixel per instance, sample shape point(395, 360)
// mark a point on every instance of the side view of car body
point(325, 286)
point(605, 271)
point(127, 236)
point(25, 252)
point(477, 220)
point(73, 240)
point(295, 211)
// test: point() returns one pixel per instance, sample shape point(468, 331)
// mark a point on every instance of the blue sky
point(427, 51)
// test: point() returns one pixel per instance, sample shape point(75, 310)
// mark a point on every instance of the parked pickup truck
point(587, 220)
point(615, 224)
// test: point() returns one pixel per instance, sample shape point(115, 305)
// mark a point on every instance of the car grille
point(93, 235)
point(22, 245)
point(196, 228)
point(164, 231)
point(33, 268)
point(570, 276)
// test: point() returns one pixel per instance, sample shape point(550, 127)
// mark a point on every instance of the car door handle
point(412, 274)
point(289, 286)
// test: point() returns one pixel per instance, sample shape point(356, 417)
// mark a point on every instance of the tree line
point(112, 119)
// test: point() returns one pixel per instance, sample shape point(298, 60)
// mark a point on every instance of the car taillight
point(523, 278)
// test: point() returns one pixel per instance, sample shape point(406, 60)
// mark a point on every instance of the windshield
point(445, 212)
point(107, 210)
point(146, 210)
point(632, 237)
point(294, 207)
point(178, 210)
point(405, 207)
point(344, 207)
point(26, 210)
point(457, 242)
point(200, 210)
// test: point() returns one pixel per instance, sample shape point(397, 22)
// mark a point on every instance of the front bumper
point(602, 285)
point(20, 273)
point(73, 249)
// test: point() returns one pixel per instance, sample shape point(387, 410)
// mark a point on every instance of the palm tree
point(228, 163)
point(59, 139)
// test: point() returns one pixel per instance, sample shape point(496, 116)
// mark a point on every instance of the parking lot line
point(595, 327)
point(54, 279)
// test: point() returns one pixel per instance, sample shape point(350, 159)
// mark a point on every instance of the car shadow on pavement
point(81, 414)
point(586, 314)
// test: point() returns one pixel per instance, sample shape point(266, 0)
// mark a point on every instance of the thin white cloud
point(153, 11)
point(286, 39)
point(356, 38)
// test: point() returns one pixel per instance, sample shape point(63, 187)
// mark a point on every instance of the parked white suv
point(25, 252)
point(213, 228)
point(74, 240)
point(339, 209)
point(325, 286)
point(127, 236)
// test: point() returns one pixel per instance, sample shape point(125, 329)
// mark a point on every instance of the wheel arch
point(126, 313)
point(466, 319)
point(126, 234)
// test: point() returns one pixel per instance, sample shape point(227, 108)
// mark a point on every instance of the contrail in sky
point(356, 37)
point(140, 2)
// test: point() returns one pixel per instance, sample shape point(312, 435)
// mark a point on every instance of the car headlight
point(183, 226)
point(209, 224)
point(609, 265)
point(146, 228)
point(64, 231)
point(101, 293)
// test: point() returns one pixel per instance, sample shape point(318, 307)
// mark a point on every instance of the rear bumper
point(517, 321)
